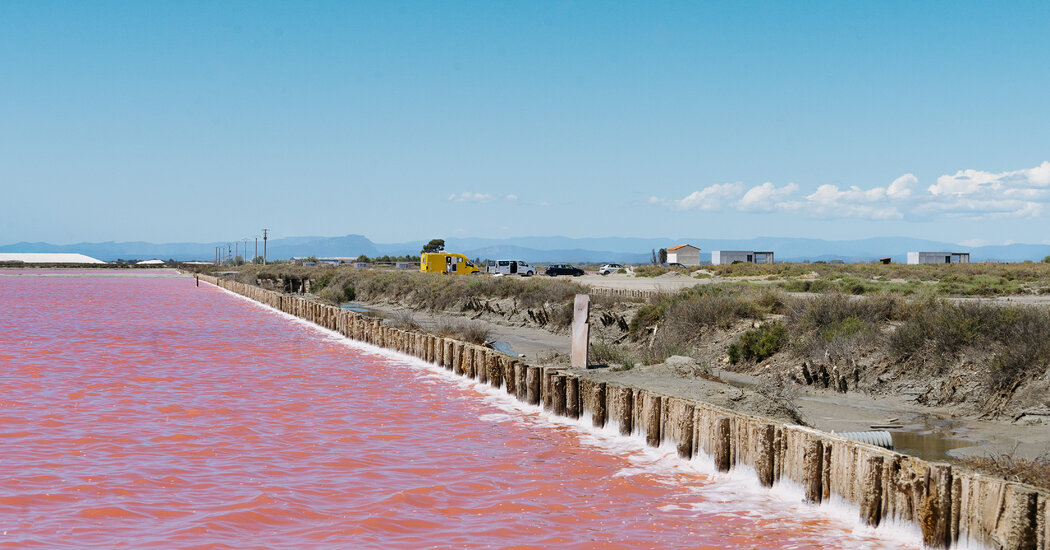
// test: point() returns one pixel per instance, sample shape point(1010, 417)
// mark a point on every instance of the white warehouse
point(915, 258)
point(685, 254)
point(725, 257)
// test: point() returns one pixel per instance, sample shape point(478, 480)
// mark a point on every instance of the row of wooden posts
point(949, 504)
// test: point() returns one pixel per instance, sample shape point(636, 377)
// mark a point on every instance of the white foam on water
point(736, 492)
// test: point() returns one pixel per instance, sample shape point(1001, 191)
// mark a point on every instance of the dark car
point(563, 269)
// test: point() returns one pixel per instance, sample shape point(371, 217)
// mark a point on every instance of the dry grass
point(467, 331)
point(1004, 464)
point(420, 290)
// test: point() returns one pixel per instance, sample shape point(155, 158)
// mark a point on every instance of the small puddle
point(502, 346)
point(930, 440)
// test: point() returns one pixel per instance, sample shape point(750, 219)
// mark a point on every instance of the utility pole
point(256, 249)
point(265, 232)
point(246, 250)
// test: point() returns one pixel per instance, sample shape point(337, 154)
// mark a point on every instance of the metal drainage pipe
point(879, 438)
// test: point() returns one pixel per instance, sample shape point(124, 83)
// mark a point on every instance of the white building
point(725, 257)
point(915, 258)
point(685, 254)
point(47, 258)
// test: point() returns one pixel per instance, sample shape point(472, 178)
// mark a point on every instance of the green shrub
point(758, 344)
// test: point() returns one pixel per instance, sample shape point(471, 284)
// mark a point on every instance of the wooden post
point(521, 386)
point(764, 460)
point(557, 388)
point(813, 469)
point(506, 368)
point(532, 385)
point(625, 398)
point(494, 365)
point(598, 414)
point(468, 361)
point(573, 403)
point(457, 357)
point(449, 354)
point(871, 491)
point(722, 445)
point(580, 330)
point(651, 405)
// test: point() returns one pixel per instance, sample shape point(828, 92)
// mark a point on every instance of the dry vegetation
point(974, 279)
point(1005, 464)
point(545, 301)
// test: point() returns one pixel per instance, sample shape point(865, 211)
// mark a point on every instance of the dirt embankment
point(844, 364)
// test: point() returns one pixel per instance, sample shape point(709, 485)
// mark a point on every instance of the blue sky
point(207, 121)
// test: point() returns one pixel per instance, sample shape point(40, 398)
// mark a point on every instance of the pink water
point(150, 412)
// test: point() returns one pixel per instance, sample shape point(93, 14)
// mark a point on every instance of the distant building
point(47, 258)
point(725, 257)
point(915, 258)
point(685, 254)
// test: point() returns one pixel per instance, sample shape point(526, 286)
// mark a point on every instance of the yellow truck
point(446, 262)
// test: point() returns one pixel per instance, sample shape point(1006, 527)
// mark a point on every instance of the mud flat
point(949, 504)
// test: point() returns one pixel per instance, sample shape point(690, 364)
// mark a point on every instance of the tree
point(663, 256)
point(1046, 260)
point(654, 259)
point(435, 245)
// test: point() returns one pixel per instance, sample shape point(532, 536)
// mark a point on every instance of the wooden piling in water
point(506, 372)
point(763, 436)
point(722, 445)
point(813, 470)
point(573, 403)
point(651, 417)
point(495, 373)
point(557, 387)
point(598, 405)
point(520, 384)
point(449, 355)
point(457, 357)
point(532, 385)
point(625, 407)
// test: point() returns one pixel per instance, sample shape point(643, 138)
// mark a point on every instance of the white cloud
point(714, 197)
point(467, 196)
point(767, 197)
point(902, 187)
point(511, 197)
point(970, 182)
point(967, 194)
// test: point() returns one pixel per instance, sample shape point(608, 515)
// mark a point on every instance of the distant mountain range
point(551, 249)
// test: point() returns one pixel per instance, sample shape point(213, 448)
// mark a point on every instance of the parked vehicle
point(563, 269)
point(446, 262)
point(609, 268)
point(511, 267)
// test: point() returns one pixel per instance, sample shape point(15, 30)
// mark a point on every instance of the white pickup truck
point(511, 267)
